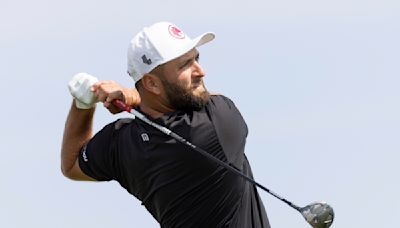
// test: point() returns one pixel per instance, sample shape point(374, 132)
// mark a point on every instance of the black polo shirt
point(176, 184)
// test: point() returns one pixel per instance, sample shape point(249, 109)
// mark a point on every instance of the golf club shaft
point(177, 137)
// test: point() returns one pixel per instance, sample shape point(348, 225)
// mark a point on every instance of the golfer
point(178, 186)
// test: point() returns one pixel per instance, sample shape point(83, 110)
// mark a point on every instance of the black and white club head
point(318, 215)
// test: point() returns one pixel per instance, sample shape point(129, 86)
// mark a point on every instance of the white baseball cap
point(158, 44)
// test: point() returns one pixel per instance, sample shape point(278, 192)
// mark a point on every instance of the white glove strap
point(82, 105)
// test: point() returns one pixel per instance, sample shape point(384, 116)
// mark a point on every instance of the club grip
point(122, 105)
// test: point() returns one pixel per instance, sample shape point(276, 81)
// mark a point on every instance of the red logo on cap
point(176, 32)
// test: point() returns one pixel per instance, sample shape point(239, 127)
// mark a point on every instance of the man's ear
point(152, 83)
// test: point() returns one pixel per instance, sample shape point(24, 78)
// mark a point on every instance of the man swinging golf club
point(179, 187)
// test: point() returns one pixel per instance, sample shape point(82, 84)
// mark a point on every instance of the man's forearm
point(77, 131)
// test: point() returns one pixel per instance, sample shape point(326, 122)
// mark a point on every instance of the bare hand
point(107, 91)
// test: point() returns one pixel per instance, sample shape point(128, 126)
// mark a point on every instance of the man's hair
point(138, 85)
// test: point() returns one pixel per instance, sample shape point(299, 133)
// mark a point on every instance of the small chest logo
point(176, 32)
point(145, 137)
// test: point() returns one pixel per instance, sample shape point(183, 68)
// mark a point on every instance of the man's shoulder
point(120, 123)
point(115, 127)
point(219, 100)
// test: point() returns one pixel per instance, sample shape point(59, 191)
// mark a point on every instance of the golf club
point(318, 215)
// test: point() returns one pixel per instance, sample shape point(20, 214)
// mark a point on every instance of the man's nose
point(198, 70)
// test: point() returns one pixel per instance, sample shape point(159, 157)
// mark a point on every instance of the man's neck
point(154, 107)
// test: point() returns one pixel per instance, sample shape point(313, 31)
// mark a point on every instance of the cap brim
point(203, 39)
point(198, 41)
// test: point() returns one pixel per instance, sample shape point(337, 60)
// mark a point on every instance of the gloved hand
point(80, 88)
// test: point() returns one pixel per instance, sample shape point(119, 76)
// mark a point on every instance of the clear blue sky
point(317, 82)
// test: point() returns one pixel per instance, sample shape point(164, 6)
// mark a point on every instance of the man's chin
point(180, 98)
point(204, 96)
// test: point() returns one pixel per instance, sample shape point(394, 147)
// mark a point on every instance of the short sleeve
point(97, 157)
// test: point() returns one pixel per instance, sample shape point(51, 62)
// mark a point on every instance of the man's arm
point(87, 91)
point(77, 132)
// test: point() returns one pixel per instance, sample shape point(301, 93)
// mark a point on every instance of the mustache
point(197, 80)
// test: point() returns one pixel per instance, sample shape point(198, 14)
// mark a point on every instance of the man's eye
point(185, 64)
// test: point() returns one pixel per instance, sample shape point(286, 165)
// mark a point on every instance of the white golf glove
point(79, 87)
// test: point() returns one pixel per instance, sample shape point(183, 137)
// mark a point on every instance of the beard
point(183, 98)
